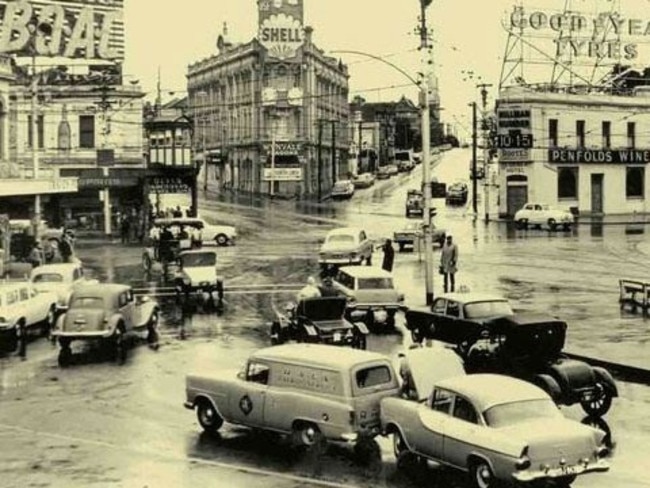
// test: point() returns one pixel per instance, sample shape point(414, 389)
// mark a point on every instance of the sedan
point(540, 215)
point(364, 180)
point(498, 429)
point(342, 189)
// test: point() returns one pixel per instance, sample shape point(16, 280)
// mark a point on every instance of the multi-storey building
point(271, 113)
point(588, 152)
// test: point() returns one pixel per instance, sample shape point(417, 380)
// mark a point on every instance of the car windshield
point(87, 302)
point(515, 412)
point(493, 308)
point(402, 156)
point(375, 283)
point(199, 259)
point(341, 238)
point(48, 278)
point(341, 185)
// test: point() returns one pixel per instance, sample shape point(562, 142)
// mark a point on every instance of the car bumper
point(82, 336)
point(347, 260)
point(574, 470)
point(188, 405)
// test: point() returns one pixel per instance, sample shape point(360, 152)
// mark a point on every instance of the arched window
point(634, 182)
point(567, 183)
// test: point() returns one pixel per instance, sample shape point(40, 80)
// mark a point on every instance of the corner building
point(275, 95)
point(586, 152)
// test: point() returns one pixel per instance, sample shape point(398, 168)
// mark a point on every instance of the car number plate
point(337, 336)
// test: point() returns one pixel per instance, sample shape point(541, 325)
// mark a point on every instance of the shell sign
point(280, 27)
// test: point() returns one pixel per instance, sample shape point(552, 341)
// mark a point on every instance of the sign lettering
point(282, 174)
point(280, 27)
point(621, 156)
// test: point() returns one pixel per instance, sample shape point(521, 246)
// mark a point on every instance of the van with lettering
point(311, 392)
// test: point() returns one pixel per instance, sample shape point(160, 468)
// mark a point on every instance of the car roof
point(179, 220)
point(366, 272)
point(344, 230)
point(60, 268)
point(318, 355)
point(529, 320)
point(488, 390)
point(472, 297)
point(102, 289)
point(343, 181)
point(198, 251)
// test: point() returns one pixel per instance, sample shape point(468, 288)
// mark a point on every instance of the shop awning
point(39, 186)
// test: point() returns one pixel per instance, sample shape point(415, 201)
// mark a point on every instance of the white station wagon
point(60, 279)
point(541, 215)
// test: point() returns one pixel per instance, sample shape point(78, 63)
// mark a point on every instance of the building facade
point(586, 152)
point(271, 114)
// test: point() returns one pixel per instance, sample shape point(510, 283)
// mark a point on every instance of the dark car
point(529, 347)
point(319, 320)
point(457, 194)
point(414, 203)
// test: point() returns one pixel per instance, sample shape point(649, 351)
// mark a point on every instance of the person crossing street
point(449, 264)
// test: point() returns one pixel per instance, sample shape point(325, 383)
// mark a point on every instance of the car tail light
point(524, 461)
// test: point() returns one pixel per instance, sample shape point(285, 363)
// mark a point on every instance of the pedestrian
point(449, 263)
point(389, 256)
point(124, 229)
point(309, 291)
point(327, 289)
point(36, 255)
point(407, 388)
point(65, 247)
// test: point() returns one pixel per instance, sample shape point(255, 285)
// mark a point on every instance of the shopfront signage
point(280, 27)
point(92, 29)
point(169, 185)
point(517, 168)
point(282, 174)
point(512, 155)
point(285, 148)
point(620, 156)
point(107, 182)
point(39, 186)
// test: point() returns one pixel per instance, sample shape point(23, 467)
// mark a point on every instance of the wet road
point(98, 424)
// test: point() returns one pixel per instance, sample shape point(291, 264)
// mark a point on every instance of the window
point(40, 130)
point(552, 132)
point(345, 280)
point(494, 308)
point(122, 299)
point(375, 283)
point(373, 376)
point(567, 183)
point(441, 401)
point(580, 133)
point(24, 294)
point(453, 310)
point(464, 410)
point(631, 135)
point(634, 182)
point(258, 373)
point(439, 306)
point(48, 278)
point(77, 274)
point(607, 134)
point(87, 131)
point(12, 297)
point(362, 236)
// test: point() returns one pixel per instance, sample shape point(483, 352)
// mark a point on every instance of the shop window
point(40, 130)
point(552, 132)
point(580, 133)
point(607, 134)
point(567, 183)
point(634, 182)
point(87, 131)
point(631, 135)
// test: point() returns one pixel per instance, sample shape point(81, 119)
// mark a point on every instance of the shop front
point(17, 197)
point(283, 172)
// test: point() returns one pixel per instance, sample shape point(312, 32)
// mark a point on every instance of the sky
point(469, 41)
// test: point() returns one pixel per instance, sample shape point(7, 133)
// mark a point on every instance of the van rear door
point(370, 382)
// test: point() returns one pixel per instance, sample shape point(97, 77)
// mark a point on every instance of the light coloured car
point(311, 391)
point(543, 215)
point(197, 272)
point(222, 235)
point(364, 180)
point(392, 169)
point(372, 296)
point(23, 312)
point(412, 231)
point(342, 189)
point(499, 429)
point(60, 279)
point(345, 245)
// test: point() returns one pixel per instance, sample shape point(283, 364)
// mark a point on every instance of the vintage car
point(529, 347)
point(60, 279)
point(303, 390)
point(392, 169)
point(541, 215)
point(404, 161)
point(372, 296)
point(105, 313)
point(345, 245)
point(414, 203)
point(457, 193)
point(383, 173)
point(364, 180)
point(412, 231)
point(318, 320)
point(197, 272)
point(456, 317)
point(24, 312)
point(342, 189)
point(498, 429)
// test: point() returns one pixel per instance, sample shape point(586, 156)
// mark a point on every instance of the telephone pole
point(333, 122)
point(320, 159)
point(485, 131)
point(474, 148)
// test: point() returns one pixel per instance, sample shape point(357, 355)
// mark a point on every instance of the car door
point(428, 437)
point(126, 303)
point(439, 325)
point(460, 432)
point(248, 395)
point(450, 323)
point(33, 305)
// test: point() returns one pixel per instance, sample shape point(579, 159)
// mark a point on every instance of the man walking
point(389, 256)
point(449, 264)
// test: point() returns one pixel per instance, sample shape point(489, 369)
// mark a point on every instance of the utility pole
point(474, 148)
point(360, 142)
point(486, 151)
point(427, 64)
point(333, 152)
point(35, 155)
point(320, 159)
point(272, 189)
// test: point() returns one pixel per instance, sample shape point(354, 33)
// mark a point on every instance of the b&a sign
point(280, 27)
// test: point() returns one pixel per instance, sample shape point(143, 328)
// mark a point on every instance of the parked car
point(59, 279)
point(318, 320)
point(457, 193)
point(364, 180)
point(392, 169)
point(404, 160)
point(303, 390)
point(345, 245)
point(383, 173)
point(498, 429)
point(456, 317)
point(342, 189)
point(417, 158)
point(540, 215)
point(529, 347)
point(106, 313)
point(197, 272)
point(24, 312)
point(412, 231)
point(414, 202)
point(372, 296)
point(221, 235)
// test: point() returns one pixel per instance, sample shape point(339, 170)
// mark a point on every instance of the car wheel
point(220, 290)
point(307, 435)
point(48, 322)
point(399, 445)
point(208, 417)
point(401, 246)
point(481, 475)
point(119, 345)
point(222, 239)
point(601, 402)
point(276, 334)
point(566, 227)
point(21, 337)
point(146, 262)
point(522, 223)
point(390, 321)
point(65, 356)
point(552, 225)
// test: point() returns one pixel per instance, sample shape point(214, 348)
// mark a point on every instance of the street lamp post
point(486, 151)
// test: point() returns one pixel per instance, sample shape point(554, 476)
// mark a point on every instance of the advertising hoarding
point(281, 27)
point(282, 174)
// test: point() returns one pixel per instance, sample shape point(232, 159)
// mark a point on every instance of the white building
point(587, 152)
